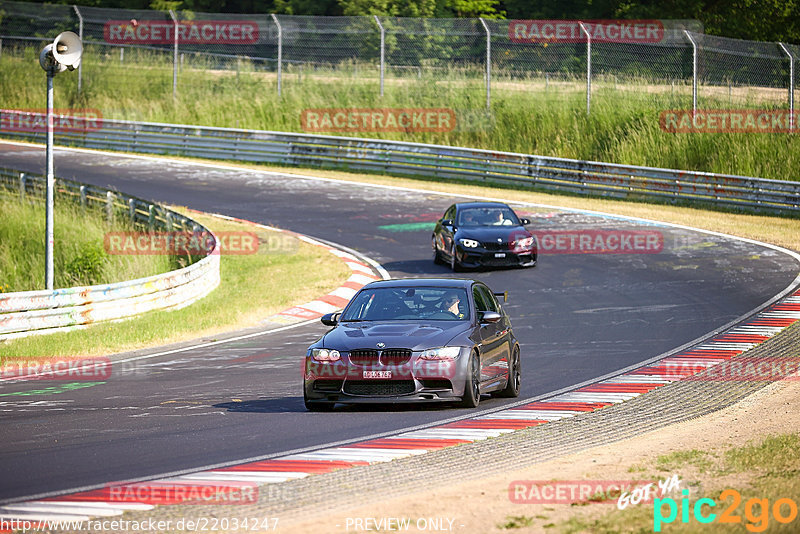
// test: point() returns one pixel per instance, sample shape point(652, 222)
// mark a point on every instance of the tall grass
point(526, 115)
point(79, 258)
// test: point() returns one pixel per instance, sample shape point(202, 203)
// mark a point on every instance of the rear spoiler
point(503, 294)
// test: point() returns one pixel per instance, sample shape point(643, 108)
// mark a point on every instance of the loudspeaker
point(67, 49)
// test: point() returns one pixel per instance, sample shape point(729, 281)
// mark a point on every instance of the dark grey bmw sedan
point(414, 340)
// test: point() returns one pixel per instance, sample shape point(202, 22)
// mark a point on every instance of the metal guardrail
point(36, 312)
point(415, 159)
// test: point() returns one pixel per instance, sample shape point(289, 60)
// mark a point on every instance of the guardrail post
point(791, 86)
point(132, 210)
point(588, 68)
point(151, 217)
point(174, 56)
point(169, 222)
point(83, 196)
point(694, 72)
point(280, 51)
point(488, 63)
point(80, 34)
point(21, 186)
point(383, 49)
point(110, 208)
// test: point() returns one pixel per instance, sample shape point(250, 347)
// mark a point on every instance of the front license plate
point(500, 255)
point(377, 374)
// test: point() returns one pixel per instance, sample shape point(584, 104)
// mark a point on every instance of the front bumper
point(481, 257)
point(422, 381)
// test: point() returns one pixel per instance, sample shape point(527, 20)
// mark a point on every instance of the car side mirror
point(447, 222)
point(490, 317)
point(330, 319)
point(525, 222)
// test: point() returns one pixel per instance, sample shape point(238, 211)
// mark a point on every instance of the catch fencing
point(37, 312)
point(431, 161)
point(621, 57)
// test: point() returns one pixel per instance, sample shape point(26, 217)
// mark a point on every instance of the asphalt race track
point(577, 316)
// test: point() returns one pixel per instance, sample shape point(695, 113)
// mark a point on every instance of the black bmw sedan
point(414, 340)
point(483, 234)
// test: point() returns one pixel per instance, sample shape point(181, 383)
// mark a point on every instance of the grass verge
point(525, 116)
point(253, 287)
point(79, 258)
point(753, 488)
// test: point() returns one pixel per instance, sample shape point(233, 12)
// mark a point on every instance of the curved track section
point(578, 317)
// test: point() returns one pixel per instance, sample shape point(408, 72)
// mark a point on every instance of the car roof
point(483, 204)
point(423, 282)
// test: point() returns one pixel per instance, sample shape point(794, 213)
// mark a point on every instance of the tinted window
point(487, 216)
point(488, 298)
point(408, 304)
point(480, 300)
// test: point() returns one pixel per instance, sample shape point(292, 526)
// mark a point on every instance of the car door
point(493, 339)
point(445, 233)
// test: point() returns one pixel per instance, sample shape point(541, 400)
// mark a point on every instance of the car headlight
point(444, 353)
point(524, 244)
point(469, 243)
point(325, 355)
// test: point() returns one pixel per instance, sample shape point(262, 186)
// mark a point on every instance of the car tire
point(472, 395)
point(317, 406)
point(437, 258)
point(454, 265)
point(514, 377)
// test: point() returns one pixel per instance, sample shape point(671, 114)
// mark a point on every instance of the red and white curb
point(720, 348)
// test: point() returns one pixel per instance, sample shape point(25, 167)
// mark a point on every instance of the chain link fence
point(564, 57)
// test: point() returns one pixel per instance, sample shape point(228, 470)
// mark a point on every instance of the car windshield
point(487, 216)
point(408, 304)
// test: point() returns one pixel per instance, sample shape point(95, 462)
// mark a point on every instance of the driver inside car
point(451, 303)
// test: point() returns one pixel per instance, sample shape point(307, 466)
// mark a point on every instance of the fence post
point(588, 68)
point(383, 49)
point(21, 186)
point(83, 196)
point(280, 50)
point(80, 34)
point(791, 86)
point(488, 63)
point(174, 56)
point(132, 210)
point(110, 207)
point(694, 72)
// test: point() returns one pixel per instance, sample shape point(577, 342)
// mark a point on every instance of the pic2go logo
point(756, 511)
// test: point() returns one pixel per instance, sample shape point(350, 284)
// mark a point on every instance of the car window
point(488, 216)
point(408, 304)
point(488, 297)
point(480, 301)
point(450, 213)
point(491, 302)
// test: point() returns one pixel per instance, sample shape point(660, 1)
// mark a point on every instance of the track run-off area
point(578, 317)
